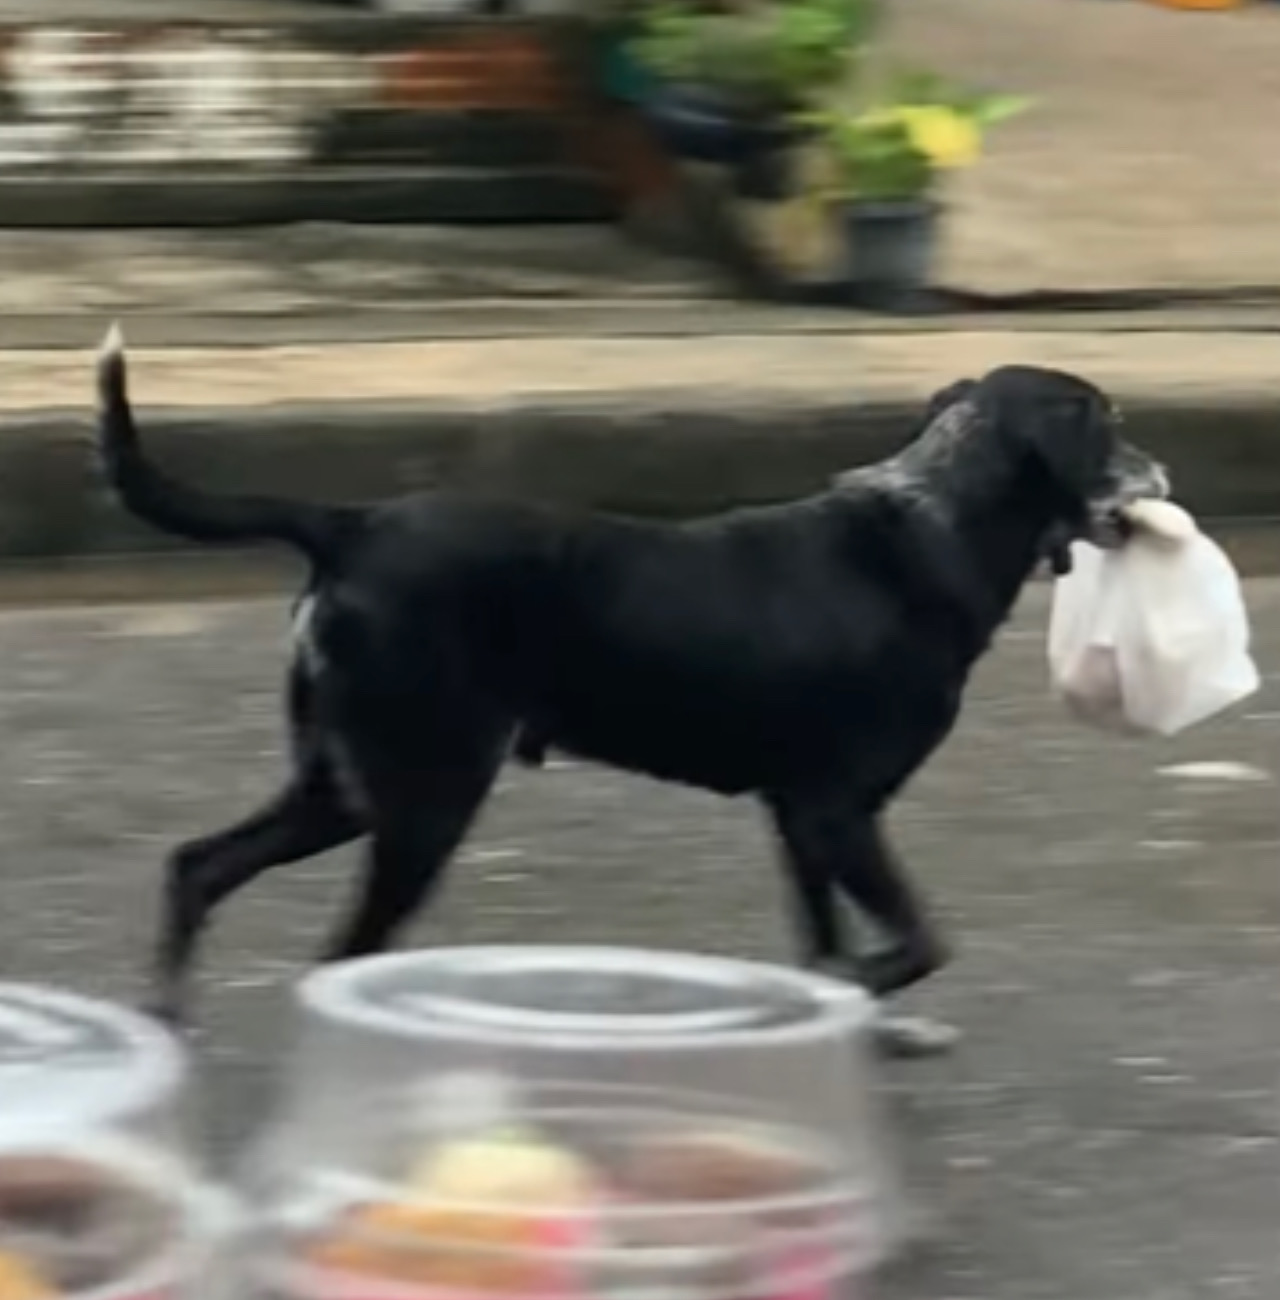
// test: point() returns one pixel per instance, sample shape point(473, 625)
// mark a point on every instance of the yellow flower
point(946, 138)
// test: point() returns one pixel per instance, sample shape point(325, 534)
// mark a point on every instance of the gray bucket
point(891, 251)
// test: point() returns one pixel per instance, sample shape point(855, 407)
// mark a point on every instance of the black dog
point(811, 654)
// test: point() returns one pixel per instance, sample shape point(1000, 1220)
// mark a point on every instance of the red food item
point(715, 1166)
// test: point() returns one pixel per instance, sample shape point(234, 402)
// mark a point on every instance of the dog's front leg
point(830, 844)
point(864, 868)
point(824, 944)
point(867, 870)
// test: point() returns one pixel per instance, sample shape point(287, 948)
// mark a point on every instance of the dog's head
point(1060, 434)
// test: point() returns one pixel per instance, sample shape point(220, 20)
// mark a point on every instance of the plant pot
point(767, 176)
point(619, 74)
point(892, 247)
point(698, 126)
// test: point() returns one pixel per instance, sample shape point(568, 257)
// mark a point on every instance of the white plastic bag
point(1152, 637)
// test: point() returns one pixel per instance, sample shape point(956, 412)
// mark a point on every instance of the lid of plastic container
point(68, 1061)
point(577, 995)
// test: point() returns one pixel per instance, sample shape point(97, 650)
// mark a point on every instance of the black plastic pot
point(892, 250)
point(699, 126)
point(766, 176)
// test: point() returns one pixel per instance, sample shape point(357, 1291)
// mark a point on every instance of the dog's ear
point(1070, 438)
point(941, 401)
point(948, 396)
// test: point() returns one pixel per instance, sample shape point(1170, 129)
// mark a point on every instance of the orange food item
point(20, 1280)
point(434, 1246)
point(1199, 4)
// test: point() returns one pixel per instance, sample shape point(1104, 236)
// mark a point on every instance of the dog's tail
point(317, 530)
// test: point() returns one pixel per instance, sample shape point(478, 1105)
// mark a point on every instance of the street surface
point(1109, 1129)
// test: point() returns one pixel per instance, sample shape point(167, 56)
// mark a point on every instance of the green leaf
point(783, 51)
point(914, 86)
point(874, 158)
point(994, 109)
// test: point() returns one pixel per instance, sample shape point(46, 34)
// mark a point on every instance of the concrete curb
point(237, 197)
point(651, 455)
point(656, 317)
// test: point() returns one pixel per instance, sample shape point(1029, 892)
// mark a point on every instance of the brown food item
point(21, 1280)
point(80, 1223)
point(711, 1166)
point(47, 1186)
point(425, 1245)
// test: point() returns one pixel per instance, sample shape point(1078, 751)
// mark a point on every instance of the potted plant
point(727, 85)
point(884, 161)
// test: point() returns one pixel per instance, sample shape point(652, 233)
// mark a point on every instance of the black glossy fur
point(811, 654)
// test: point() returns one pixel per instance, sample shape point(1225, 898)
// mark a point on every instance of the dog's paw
point(167, 1012)
point(910, 1038)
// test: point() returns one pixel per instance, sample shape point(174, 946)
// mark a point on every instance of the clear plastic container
point(573, 1124)
point(98, 1200)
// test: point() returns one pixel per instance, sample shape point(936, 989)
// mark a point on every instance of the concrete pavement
point(1148, 158)
point(326, 283)
point(1109, 1128)
point(732, 371)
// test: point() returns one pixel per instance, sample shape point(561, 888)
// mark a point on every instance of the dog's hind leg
point(530, 746)
point(420, 816)
point(307, 817)
point(313, 813)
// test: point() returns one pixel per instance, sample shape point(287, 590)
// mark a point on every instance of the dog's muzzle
point(1134, 476)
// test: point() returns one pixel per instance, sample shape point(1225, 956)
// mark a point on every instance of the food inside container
point(82, 1222)
point(574, 1192)
point(566, 1123)
point(96, 1199)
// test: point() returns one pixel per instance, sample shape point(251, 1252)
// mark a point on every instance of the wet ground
point(1109, 1130)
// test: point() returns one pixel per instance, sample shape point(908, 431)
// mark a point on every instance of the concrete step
point(235, 196)
point(659, 426)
